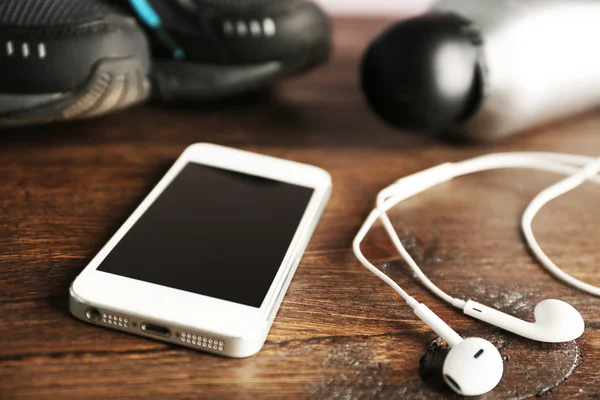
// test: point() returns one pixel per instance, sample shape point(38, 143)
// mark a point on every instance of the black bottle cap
point(425, 73)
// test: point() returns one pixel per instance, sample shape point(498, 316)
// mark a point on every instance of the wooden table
point(341, 333)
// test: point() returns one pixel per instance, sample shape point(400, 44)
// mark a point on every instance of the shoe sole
point(114, 84)
point(175, 80)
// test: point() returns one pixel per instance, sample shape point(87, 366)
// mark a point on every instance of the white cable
point(411, 262)
point(543, 198)
point(358, 253)
point(404, 188)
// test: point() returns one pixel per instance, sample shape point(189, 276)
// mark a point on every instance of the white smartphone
point(206, 258)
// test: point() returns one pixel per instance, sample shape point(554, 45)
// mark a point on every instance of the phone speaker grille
point(202, 342)
point(116, 320)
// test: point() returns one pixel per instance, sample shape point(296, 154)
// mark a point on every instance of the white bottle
point(529, 62)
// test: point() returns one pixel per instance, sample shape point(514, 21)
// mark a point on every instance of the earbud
point(555, 321)
point(473, 366)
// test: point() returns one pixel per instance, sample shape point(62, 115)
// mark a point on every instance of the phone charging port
point(156, 330)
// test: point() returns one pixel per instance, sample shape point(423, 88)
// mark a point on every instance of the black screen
point(213, 232)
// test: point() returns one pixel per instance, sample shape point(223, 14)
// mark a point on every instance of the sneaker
point(207, 49)
point(64, 59)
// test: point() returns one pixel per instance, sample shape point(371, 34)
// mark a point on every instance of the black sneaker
point(206, 49)
point(63, 59)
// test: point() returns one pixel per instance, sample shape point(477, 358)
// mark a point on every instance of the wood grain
point(341, 333)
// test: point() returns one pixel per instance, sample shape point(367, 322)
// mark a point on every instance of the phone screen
point(213, 232)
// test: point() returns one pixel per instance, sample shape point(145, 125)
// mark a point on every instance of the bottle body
point(541, 60)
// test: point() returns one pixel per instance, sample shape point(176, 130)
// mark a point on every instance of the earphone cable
point(404, 188)
point(543, 198)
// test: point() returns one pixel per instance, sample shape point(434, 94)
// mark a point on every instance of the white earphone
point(473, 365)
